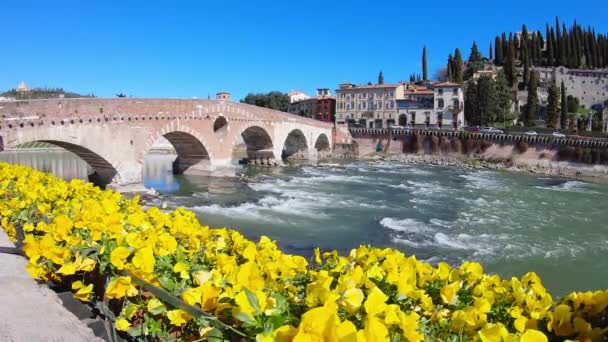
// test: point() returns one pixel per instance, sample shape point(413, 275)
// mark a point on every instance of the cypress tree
point(558, 43)
point(490, 52)
point(539, 47)
point(532, 105)
point(565, 48)
point(475, 55)
point(470, 103)
point(524, 43)
point(509, 66)
point(424, 68)
point(458, 66)
point(549, 50)
point(526, 76)
point(505, 46)
point(554, 52)
point(502, 93)
point(380, 78)
point(498, 51)
point(564, 107)
point(553, 106)
point(450, 68)
point(485, 100)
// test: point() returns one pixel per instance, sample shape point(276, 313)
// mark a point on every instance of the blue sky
point(192, 49)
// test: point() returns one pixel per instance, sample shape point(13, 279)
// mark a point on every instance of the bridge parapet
point(496, 138)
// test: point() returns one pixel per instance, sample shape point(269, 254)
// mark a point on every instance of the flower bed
point(162, 276)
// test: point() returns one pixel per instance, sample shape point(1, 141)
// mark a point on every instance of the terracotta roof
point(446, 84)
point(373, 86)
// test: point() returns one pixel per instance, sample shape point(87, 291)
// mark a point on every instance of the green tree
point(509, 67)
point(491, 57)
point(563, 107)
point(498, 60)
point(458, 66)
point(450, 68)
point(475, 55)
point(470, 104)
point(532, 105)
point(502, 94)
point(549, 61)
point(553, 106)
point(424, 67)
point(526, 76)
point(380, 78)
point(486, 100)
point(573, 104)
point(274, 100)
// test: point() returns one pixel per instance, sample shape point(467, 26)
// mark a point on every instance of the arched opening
point(220, 124)
point(322, 143)
point(175, 153)
point(190, 151)
point(256, 145)
point(65, 160)
point(295, 145)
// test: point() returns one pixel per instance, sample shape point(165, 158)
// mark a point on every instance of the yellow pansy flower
point(122, 324)
point(120, 287)
point(83, 292)
point(178, 317)
point(119, 256)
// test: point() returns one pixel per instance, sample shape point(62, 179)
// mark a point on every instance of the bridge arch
point(220, 124)
point(193, 151)
point(322, 143)
point(104, 171)
point(294, 143)
point(253, 143)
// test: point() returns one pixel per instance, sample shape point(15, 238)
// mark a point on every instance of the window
point(440, 103)
point(391, 93)
point(455, 91)
point(440, 91)
point(379, 105)
point(456, 104)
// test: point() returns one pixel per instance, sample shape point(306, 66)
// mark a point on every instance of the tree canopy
point(273, 100)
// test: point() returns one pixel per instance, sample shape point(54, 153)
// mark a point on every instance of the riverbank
point(594, 173)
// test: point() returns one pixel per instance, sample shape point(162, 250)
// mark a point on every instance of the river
point(510, 222)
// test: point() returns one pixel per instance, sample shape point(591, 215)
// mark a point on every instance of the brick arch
point(322, 142)
point(190, 144)
point(105, 171)
point(257, 139)
point(295, 142)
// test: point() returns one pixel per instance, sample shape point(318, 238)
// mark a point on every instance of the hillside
point(41, 93)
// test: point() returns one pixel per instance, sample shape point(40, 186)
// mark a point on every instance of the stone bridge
point(210, 136)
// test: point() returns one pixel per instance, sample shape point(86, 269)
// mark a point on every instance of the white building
point(440, 105)
point(366, 105)
point(297, 95)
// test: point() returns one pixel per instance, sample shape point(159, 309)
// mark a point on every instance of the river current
point(511, 223)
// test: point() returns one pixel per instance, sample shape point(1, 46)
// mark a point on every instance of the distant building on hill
point(590, 86)
point(320, 107)
point(21, 88)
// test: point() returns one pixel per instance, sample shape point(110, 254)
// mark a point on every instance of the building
point(296, 96)
point(21, 88)
point(589, 86)
point(222, 95)
point(366, 105)
point(320, 107)
point(440, 105)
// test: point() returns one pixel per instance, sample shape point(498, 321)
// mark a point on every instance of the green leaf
point(247, 320)
point(276, 321)
point(253, 300)
point(136, 331)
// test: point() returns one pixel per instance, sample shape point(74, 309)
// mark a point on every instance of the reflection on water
point(60, 163)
